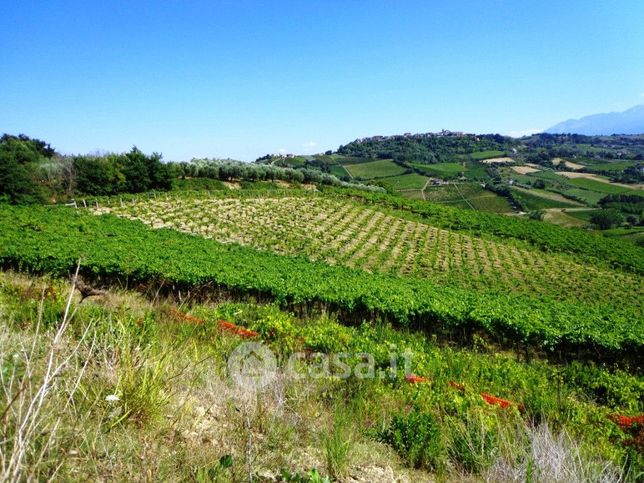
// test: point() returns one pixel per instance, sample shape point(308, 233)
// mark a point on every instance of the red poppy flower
point(237, 330)
point(414, 379)
point(496, 401)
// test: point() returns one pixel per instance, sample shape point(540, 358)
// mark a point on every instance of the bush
point(20, 159)
point(417, 437)
point(605, 219)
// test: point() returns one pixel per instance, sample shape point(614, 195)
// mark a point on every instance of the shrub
point(417, 437)
point(605, 219)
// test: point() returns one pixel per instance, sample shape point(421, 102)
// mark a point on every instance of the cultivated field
point(351, 234)
point(374, 169)
point(599, 179)
point(480, 155)
point(524, 169)
point(503, 160)
point(411, 181)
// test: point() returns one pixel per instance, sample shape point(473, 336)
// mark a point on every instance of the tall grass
point(39, 383)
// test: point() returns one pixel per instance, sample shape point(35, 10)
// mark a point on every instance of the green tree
point(98, 175)
point(605, 219)
point(20, 161)
point(135, 167)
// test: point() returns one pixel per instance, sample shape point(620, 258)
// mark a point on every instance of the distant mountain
point(627, 122)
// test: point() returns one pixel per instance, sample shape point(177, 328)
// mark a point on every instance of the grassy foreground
point(125, 387)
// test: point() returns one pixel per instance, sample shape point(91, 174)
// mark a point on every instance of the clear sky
point(243, 78)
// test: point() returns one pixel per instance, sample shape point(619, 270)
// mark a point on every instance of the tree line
point(31, 171)
point(425, 148)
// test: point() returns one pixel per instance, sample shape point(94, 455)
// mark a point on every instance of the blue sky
point(243, 78)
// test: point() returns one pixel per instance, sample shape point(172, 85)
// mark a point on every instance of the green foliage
point(424, 147)
point(605, 219)
point(632, 204)
point(98, 175)
point(117, 249)
point(213, 473)
point(311, 476)
point(131, 172)
point(450, 431)
point(229, 169)
point(472, 441)
point(337, 444)
point(490, 153)
point(20, 169)
point(416, 435)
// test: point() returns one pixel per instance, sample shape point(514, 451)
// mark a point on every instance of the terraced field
point(351, 234)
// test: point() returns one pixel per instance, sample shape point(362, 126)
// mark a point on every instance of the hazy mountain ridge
point(627, 122)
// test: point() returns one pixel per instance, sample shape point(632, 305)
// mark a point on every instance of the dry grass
point(96, 398)
point(524, 169)
point(552, 457)
point(504, 160)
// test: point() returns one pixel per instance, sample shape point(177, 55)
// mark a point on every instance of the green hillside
point(272, 322)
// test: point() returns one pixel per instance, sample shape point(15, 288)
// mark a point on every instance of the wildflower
point(237, 330)
point(112, 398)
point(625, 422)
point(496, 401)
point(414, 379)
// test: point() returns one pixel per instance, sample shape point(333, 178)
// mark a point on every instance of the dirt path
point(422, 190)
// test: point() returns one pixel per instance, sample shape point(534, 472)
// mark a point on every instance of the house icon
point(252, 366)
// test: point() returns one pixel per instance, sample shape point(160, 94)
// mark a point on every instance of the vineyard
point(587, 247)
point(348, 233)
point(114, 250)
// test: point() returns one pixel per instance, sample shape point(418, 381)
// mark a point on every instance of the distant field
point(338, 170)
point(478, 156)
point(442, 193)
point(411, 181)
point(534, 199)
point(549, 175)
point(442, 170)
point(524, 169)
point(490, 202)
point(586, 196)
point(598, 186)
point(375, 169)
point(503, 160)
point(468, 195)
point(583, 215)
point(561, 218)
point(573, 166)
point(413, 194)
point(339, 159)
point(610, 167)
